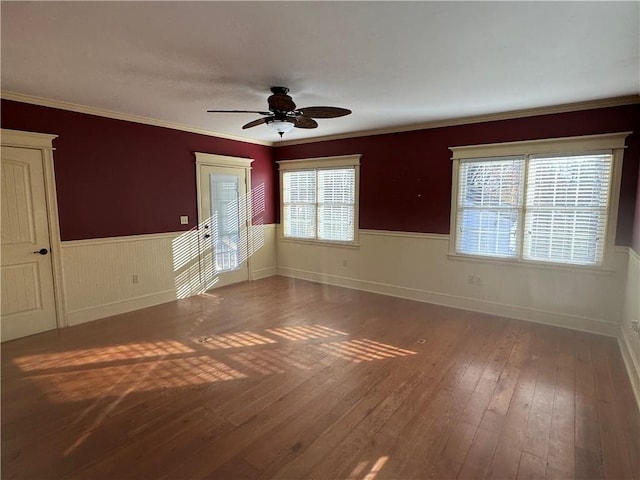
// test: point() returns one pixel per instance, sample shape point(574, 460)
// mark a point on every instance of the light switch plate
point(184, 220)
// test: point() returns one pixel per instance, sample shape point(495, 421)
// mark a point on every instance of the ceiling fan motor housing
point(280, 102)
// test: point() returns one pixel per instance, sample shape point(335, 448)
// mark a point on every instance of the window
point(319, 199)
point(524, 201)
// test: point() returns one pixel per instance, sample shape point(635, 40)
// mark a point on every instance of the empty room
point(320, 240)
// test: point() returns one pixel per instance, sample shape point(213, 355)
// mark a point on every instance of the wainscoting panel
point(109, 276)
point(417, 266)
point(629, 339)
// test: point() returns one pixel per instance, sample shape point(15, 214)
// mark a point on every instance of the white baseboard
point(633, 369)
point(264, 273)
point(584, 324)
point(107, 310)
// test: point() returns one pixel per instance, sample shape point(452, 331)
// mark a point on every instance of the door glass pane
point(225, 222)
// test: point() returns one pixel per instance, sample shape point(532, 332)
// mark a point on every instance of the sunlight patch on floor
point(111, 353)
point(305, 332)
point(356, 473)
point(116, 380)
point(363, 350)
point(235, 340)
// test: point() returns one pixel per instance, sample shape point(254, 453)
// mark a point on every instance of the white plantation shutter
point(319, 204)
point(566, 208)
point(299, 195)
point(490, 192)
point(336, 199)
point(551, 200)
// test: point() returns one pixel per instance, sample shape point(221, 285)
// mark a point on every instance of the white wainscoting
point(99, 273)
point(628, 339)
point(416, 266)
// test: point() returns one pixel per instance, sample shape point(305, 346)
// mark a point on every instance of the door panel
point(223, 225)
point(27, 295)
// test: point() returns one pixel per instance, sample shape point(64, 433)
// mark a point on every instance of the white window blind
point(299, 192)
point(548, 208)
point(319, 204)
point(336, 198)
point(489, 206)
point(566, 208)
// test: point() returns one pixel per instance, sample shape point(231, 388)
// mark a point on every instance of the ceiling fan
point(283, 115)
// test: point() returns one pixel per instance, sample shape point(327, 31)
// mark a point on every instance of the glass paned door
point(223, 225)
point(225, 228)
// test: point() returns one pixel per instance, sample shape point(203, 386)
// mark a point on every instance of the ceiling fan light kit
point(281, 126)
point(283, 115)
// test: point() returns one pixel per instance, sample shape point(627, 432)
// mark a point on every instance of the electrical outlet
point(635, 326)
point(345, 263)
point(134, 279)
point(474, 280)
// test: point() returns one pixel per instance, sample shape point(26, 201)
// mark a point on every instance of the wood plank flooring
point(288, 379)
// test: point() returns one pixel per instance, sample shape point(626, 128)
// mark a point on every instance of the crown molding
point(491, 117)
point(74, 107)
point(531, 112)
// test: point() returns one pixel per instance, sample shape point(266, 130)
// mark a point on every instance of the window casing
point(547, 201)
point(319, 199)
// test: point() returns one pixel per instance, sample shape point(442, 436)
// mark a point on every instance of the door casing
point(213, 160)
point(44, 143)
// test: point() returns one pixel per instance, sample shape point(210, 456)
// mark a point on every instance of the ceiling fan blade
point(305, 122)
point(255, 123)
point(279, 102)
point(239, 111)
point(324, 112)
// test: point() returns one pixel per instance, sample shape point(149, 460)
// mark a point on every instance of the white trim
point(453, 209)
point(610, 142)
point(512, 262)
point(626, 335)
point(128, 238)
point(393, 233)
point(44, 143)
point(17, 138)
point(225, 161)
point(215, 160)
point(633, 368)
point(513, 114)
point(320, 162)
point(122, 306)
point(264, 273)
point(614, 201)
point(491, 117)
point(585, 143)
point(74, 107)
point(320, 243)
point(591, 325)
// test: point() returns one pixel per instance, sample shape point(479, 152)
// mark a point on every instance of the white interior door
point(28, 303)
point(223, 222)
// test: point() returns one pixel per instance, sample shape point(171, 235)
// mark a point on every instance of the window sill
point(320, 243)
point(600, 270)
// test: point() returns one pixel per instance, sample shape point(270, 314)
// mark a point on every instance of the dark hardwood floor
point(283, 378)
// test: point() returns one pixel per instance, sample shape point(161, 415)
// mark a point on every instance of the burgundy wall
point(405, 178)
point(118, 178)
point(122, 178)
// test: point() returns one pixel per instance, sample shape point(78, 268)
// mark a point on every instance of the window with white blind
point(319, 199)
point(525, 202)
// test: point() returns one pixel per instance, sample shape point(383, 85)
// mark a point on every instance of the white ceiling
point(392, 63)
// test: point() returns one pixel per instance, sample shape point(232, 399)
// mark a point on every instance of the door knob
point(207, 236)
point(42, 251)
